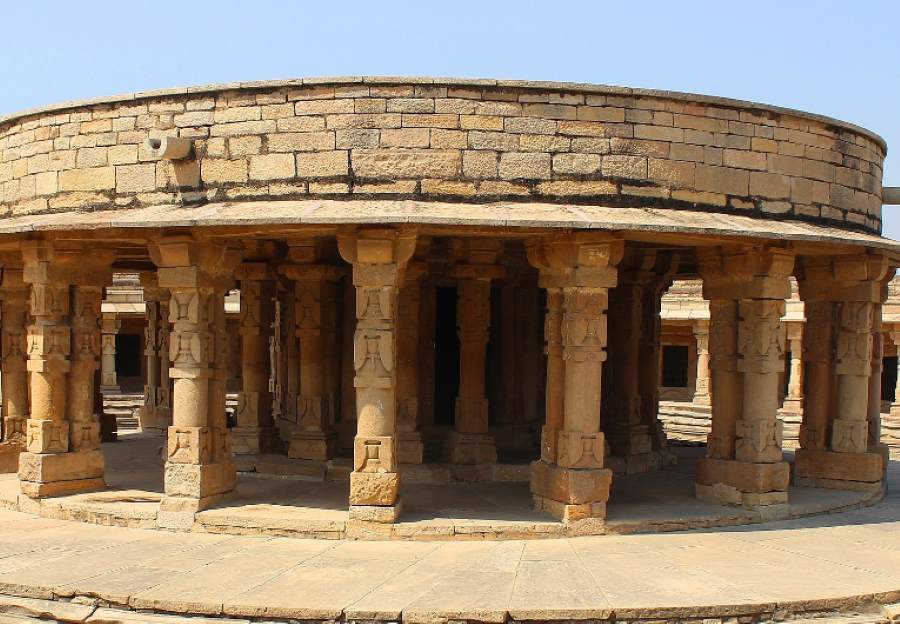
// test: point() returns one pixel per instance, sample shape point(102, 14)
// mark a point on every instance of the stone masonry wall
point(451, 141)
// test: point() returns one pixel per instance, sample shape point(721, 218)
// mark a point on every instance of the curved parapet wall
point(448, 140)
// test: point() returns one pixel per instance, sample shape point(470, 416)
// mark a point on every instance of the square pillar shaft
point(379, 257)
point(570, 480)
point(255, 431)
point(14, 378)
point(471, 443)
point(199, 467)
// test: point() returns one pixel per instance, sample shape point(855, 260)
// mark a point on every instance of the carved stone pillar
point(379, 257)
point(410, 448)
point(109, 329)
point(874, 411)
point(701, 387)
point(316, 325)
point(841, 294)
point(570, 480)
point(746, 288)
point(255, 431)
point(14, 378)
point(63, 433)
point(470, 443)
point(794, 400)
point(895, 404)
point(152, 416)
point(199, 467)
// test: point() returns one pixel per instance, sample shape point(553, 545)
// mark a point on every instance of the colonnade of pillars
point(592, 419)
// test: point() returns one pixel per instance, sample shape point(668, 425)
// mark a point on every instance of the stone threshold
point(38, 604)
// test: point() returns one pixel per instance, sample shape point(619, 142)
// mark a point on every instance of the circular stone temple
point(444, 280)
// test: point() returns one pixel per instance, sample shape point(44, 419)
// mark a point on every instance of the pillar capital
point(856, 277)
point(577, 259)
point(183, 262)
point(255, 271)
point(744, 272)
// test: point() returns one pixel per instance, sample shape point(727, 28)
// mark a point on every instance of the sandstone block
point(722, 180)
point(199, 481)
point(390, 163)
point(405, 137)
point(94, 179)
point(244, 146)
point(744, 476)
point(868, 467)
point(49, 467)
point(272, 167)
point(301, 141)
point(525, 166)
point(222, 170)
point(744, 159)
point(622, 166)
point(573, 486)
point(323, 164)
point(135, 178)
point(772, 185)
point(576, 163)
point(374, 488)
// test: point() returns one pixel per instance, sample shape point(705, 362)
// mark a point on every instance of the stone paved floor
point(812, 563)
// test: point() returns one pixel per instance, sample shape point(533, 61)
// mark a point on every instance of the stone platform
point(310, 501)
point(832, 565)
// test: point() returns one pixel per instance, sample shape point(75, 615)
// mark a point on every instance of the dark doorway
point(675, 366)
point(888, 378)
point(128, 355)
point(446, 356)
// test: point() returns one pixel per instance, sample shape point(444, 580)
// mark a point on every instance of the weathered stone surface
point(744, 476)
point(372, 488)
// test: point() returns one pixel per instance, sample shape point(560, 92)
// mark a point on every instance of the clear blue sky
point(836, 58)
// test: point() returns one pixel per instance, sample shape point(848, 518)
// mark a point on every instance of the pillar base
point(177, 512)
point(410, 449)
point(638, 463)
point(253, 440)
point(9, 456)
point(56, 474)
point(471, 448)
point(570, 493)
point(629, 442)
point(380, 514)
point(381, 489)
point(153, 418)
point(318, 445)
point(745, 484)
point(839, 471)
point(199, 481)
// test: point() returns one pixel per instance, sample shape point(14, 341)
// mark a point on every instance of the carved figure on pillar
point(746, 288)
point(570, 480)
point(471, 443)
point(154, 415)
point(379, 257)
point(841, 295)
